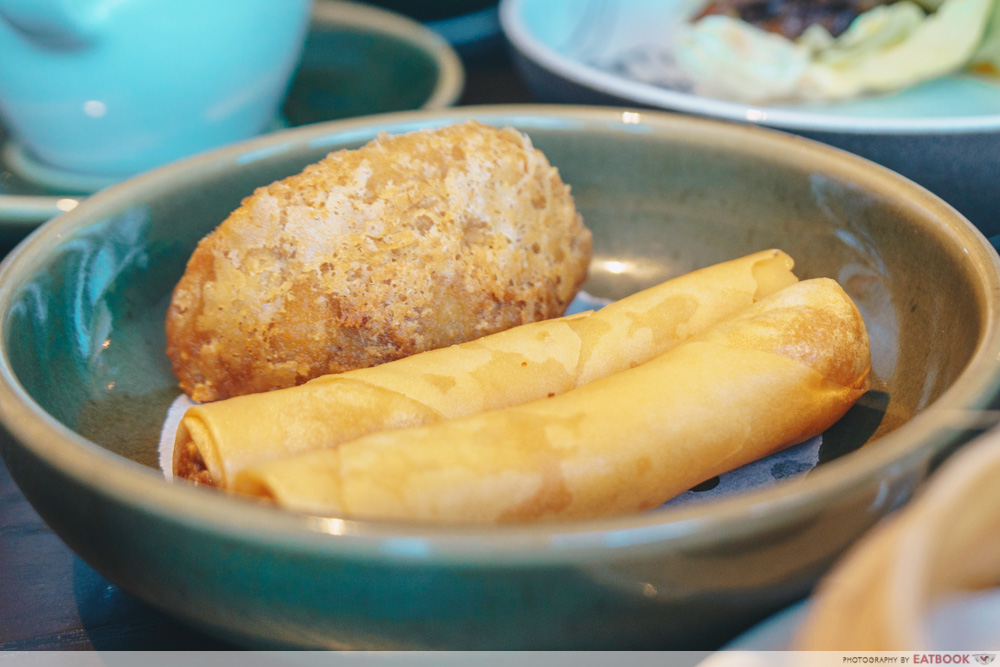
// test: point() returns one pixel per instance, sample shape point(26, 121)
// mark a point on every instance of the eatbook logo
point(985, 658)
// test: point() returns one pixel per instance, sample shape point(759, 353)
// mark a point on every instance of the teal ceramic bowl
point(85, 384)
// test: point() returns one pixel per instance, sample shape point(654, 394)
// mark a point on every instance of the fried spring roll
point(522, 364)
point(778, 373)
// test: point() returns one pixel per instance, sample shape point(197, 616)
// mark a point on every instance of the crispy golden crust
point(773, 376)
point(525, 363)
point(410, 243)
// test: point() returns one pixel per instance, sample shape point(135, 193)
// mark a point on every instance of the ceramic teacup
point(115, 87)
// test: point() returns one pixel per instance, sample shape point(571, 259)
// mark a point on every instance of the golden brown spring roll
point(532, 361)
point(775, 374)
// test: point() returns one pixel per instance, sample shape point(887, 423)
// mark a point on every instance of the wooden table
point(50, 599)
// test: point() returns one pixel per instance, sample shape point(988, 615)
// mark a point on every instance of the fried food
point(216, 440)
point(917, 567)
point(410, 243)
point(777, 373)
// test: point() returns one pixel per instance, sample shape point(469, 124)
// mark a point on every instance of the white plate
point(774, 634)
point(622, 48)
point(964, 622)
point(944, 134)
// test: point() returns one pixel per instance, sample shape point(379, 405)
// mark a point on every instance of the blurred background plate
point(25, 204)
point(944, 134)
point(358, 60)
point(774, 634)
point(361, 60)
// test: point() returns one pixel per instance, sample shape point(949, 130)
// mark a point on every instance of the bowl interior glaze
point(657, 205)
point(83, 305)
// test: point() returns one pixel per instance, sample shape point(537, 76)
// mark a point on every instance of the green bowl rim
point(898, 453)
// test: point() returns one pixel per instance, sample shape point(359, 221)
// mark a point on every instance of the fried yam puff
point(410, 243)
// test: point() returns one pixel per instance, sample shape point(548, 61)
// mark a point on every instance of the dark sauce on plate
point(791, 18)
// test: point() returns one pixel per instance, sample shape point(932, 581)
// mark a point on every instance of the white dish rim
point(784, 118)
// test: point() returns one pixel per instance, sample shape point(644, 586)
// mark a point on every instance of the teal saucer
point(357, 60)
